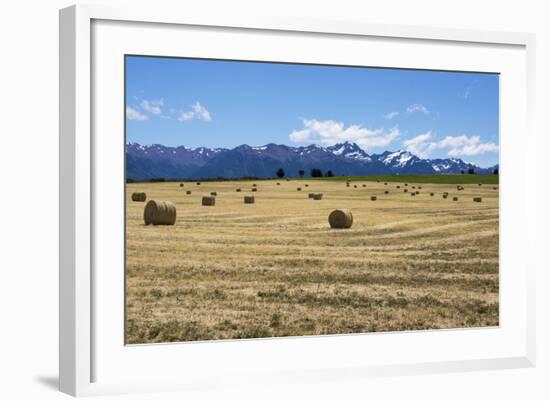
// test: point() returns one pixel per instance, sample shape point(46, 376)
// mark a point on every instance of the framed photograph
point(277, 200)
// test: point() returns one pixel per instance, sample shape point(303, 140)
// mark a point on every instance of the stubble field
point(276, 268)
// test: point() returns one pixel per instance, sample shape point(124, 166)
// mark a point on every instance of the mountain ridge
point(145, 162)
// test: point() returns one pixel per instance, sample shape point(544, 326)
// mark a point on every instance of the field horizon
point(408, 178)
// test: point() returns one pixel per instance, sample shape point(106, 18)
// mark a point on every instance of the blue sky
point(211, 103)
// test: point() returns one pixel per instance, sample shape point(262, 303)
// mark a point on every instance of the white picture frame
point(86, 357)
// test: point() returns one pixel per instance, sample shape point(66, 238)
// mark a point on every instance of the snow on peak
point(349, 150)
point(339, 151)
point(400, 158)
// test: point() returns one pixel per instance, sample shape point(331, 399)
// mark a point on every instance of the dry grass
point(275, 268)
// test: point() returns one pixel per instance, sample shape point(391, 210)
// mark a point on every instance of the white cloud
point(456, 146)
point(468, 146)
point(133, 114)
point(329, 132)
point(152, 106)
point(186, 116)
point(391, 115)
point(417, 107)
point(198, 111)
point(420, 145)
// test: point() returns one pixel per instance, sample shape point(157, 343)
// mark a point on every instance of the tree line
point(472, 171)
point(314, 172)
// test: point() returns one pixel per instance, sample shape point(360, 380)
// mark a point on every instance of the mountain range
point(144, 162)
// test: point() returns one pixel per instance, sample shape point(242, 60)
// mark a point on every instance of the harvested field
point(276, 268)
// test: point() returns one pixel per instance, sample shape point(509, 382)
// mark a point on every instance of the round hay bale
point(340, 218)
point(431, 194)
point(159, 213)
point(188, 192)
point(310, 195)
point(398, 186)
point(254, 189)
point(198, 183)
point(385, 183)
point(417, 192)
point(413, 194)
point(355, 186)
point(208, 200)
point(237, 190)
point(445, 195)
point(139, 196)
point(298, 189)
point(181, 185)
point(364, 185)
point(214, 193)
point(254, 185)
point(459, 187)
point(249, 199)
point(406, 184)
point(495, 188)
point(373, 198)
point(386, 192)
point(307, 185)
point(419, 187)
point(477, 199)
point(413, 187)
point(278, 183)
point(405, 190)
point(317, 196)
point(479, 184)
point(455, 198)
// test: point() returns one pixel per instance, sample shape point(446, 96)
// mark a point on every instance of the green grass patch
point(417, 178)
point(422, 178)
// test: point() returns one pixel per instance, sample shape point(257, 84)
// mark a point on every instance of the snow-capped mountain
point(398, 159)
point(349, 150)
point(157, 161)
point(404, 162)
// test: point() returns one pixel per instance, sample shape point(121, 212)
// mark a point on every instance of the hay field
point(275, 268)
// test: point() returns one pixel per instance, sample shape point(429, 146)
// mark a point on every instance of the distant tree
point(280, 173)
point(316, 172)
point(461, 171)
point(329, 173)
point(471, 171)
point(301, 172)
point(495, 171)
